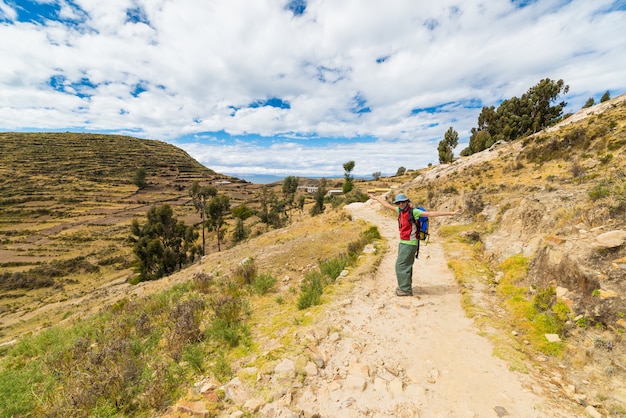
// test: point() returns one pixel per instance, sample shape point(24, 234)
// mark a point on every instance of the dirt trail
point(414, 356)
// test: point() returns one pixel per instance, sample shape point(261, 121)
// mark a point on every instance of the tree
point(480, 140)
point(199, 197)
point(272, 209)
point(301, 201)
point(290, 187)
point(449, 142)
point(590, 102)
point(376, 175)
point(239, 233)
point(216, 211)
point(518, 117)
point(539, 99)
point(320, 194)
point(348, 184)
point(242, 212)
point(605, 97)
point(401, 171)
point(264, 200)
point(277, 216)
point(140, 178)
point(162, 243)
point(445, 153)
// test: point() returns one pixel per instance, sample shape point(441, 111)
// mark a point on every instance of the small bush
point(246, 271)
point(221, 368)
point(263, 283)
point(606, 158)
point(333, 268)
point(598, 192)
point(372, 233)
point(194, 356)
point(577, 170)
point(544, 299)
point(186, 317)
point(229, 309)
point(203, 282)
point(311, 290)
point(355, 195)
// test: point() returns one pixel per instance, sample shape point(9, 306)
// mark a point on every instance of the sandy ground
point(415, 356)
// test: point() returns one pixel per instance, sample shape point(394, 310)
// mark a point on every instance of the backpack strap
point(418, 223)
point(417, 253)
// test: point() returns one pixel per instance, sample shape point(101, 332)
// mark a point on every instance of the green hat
point(401, 197)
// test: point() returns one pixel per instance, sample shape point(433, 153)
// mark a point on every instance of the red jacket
point(408, 229)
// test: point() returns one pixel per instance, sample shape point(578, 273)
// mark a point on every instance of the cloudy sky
point(297, 87)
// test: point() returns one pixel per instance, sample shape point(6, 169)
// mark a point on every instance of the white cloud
point(163, 69)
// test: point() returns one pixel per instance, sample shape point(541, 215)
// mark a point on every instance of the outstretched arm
point(382, 202)
point(431, 214)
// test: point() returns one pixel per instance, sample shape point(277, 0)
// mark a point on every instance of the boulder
point(611, 239)
point(285, 369)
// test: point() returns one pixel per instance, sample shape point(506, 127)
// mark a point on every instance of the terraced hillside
point(66, 203)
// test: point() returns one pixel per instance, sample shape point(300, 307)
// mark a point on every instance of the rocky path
point(412, 356)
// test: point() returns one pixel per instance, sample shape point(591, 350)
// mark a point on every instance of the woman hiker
point(408, 238)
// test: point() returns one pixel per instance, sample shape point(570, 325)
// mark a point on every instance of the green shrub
point(606, 158)
point(311, 290)
point(229, 309)
point(544, 299)
point(221, 368)
point(229, 333)
point(194, 356)
point(372, 233)
point(227, 325)
point(332, 268)
point(598, 192)
point(355, 195)
point(263, 283)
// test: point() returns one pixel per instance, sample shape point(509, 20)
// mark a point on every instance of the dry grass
point(64, 196)
point(138, 355)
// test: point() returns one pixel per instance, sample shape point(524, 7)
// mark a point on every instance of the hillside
point(557, 198)
point(66, 203)
point(546, 221)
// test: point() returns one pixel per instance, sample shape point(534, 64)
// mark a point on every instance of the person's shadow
point(435, 290)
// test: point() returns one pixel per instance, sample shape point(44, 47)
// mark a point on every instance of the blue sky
point(297, 87)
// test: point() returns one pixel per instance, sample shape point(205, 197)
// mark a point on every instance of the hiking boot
point(400, 292)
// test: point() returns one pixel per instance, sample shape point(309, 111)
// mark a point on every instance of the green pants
point(404, 266)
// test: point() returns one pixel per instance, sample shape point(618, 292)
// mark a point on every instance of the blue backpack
point(422, 228)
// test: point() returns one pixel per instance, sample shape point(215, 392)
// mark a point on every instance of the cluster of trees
point(163, 244)
point(591, 101)
point(513, 118)
point(275, 211)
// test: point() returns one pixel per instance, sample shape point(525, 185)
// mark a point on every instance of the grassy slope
point(65, 196)
point(150, 342)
